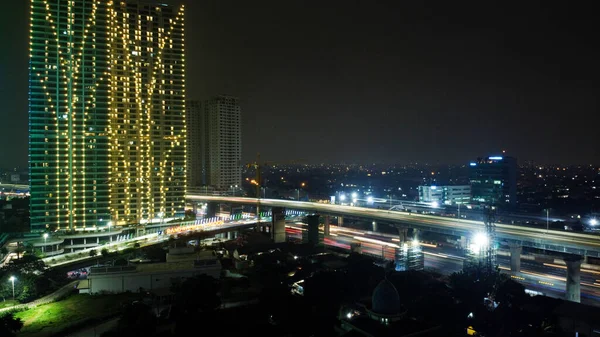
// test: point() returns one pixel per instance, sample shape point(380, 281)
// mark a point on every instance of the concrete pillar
point(402, 234)
point(278, 225)
point(515, 256)
point(463, 242)
point(415, 234)
point(374, 223)
point(326, 223)
point(313, 229)
point(211, 209)
point(84, 241)
point(97, 240)
point(340, 221)
point(573, 278)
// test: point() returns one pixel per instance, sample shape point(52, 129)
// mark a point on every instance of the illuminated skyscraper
point(107, 115)
point(196, 144)
point(223, 142)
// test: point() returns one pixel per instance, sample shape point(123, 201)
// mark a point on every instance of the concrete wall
point(122, 282)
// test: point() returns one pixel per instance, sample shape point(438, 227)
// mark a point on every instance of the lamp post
point(12, 279)
point(44, 246)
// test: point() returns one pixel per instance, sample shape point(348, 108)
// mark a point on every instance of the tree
point(19, 250)
point(137, 319)
point(9, 325)
point(120, 262)
point(190, 215)
point(198, 293)
point(104, 252)
point(3, 251)
point(93, 253)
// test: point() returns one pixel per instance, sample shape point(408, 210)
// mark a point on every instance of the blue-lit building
point(494, 181)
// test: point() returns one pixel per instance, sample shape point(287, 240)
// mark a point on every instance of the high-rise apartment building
point(196, 144)
point(107, 112)
point(494, 181)
point(223, 142)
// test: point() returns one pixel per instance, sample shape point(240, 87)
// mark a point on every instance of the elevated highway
point(559, 241)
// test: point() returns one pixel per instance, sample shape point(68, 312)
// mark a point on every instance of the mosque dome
point(385, 300)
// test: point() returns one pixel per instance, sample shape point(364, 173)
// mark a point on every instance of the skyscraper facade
point(107, 116)
point(196, 143)
point(223, 142)
point(494, 181)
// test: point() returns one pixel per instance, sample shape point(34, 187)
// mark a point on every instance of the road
point(547, 278)
point(577, 243)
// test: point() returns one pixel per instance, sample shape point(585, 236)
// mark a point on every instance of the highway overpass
point(559, 241)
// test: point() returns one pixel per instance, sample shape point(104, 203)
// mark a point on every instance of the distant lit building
point(223, 142)
point(196, 143)
point(494, 180)
point(445, 195)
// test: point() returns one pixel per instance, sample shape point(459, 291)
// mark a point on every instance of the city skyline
point(401, 85)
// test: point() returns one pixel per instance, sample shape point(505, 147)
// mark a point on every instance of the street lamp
point(342, 197)
point(12, 279)
point(593, 222)
point(44, 246)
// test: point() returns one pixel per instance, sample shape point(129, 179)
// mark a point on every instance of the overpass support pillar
point(374, 226)
point(326, 223)
point(211, 209)
point(415, 234)
point(340, 221)
point(463, 242)
point(573, 278)
point(278, 224)
point(515, 256)
point(403, 234)
point(312, 234)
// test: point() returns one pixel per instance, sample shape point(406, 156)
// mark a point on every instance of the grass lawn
point(52, 318)
point(8, 303)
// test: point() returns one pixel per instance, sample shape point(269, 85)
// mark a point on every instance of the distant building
point(445, 195)
point(223, 142)
point(494, 180)
point(196, 143)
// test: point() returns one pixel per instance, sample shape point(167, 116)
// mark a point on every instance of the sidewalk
point(46, 299)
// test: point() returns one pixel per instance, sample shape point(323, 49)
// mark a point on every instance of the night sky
point(355, 81)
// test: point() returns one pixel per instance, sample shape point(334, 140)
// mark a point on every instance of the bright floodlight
point(480, 239)
point(12, 278)
point(435, 204)
point(354, 195)
point(45, 236)
point(342, 197)
point(370, 200)
point(593, 222)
